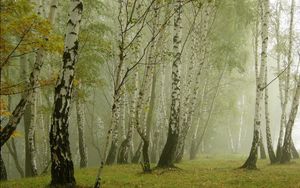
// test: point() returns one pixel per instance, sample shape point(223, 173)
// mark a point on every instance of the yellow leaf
point(5, 113)
point(16, 134)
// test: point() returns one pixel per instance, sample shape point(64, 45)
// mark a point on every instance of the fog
point(89, 86)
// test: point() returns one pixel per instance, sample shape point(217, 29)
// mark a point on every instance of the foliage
point(3, 108)
point(23, 31)
point(230, 36)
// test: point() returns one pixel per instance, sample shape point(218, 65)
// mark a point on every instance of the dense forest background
point(156, 82)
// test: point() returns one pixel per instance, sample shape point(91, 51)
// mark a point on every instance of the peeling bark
point(62, 169)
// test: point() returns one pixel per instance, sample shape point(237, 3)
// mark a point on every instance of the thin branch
point(16, 47)
point(141, 28)
point(144, 52)
point(19, 55)
point(276, 76)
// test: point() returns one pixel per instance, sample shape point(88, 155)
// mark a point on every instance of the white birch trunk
point(168, 154)
point(286, 150)
point(252, 159)
point(62, 169)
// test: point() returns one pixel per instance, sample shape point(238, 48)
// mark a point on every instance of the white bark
point(62, 169)
point(251, 161)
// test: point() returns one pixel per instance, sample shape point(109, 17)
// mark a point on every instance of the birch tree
point(168, 154)
point(271, 152)
point(124, 150)
point(28, 94)
point(62, 170)
point(127, 25)
point(207, 11)
point(287, 145)
point(252, 158)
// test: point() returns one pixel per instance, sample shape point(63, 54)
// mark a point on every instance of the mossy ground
point(204, 172)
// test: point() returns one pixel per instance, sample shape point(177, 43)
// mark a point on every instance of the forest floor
point(209, 171)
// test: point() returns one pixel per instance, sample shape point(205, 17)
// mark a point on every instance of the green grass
point(203, 172)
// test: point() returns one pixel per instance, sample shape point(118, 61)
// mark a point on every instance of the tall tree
point(282, 91)
point(284, 86)
point(271, 152)
point(127, 26)
point(207, 11)
point(168, 154)
point(39, 28)
point(287, 145)
point(252, 158)
point(62, 170)
point(146, 97)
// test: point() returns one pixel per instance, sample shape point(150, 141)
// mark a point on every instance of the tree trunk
point(149, 122)
point(188, 111)
point(117, 95)
point(62, 169)
point(137, 155)
point(146, 159)
point(168, 154)
point(26, 97)
point(114, 130)
point(31, 128)
point(287, 83)
point(123, 109)
point(146, 97)
point(13, 151)
point(3, 173)
point(252, 159)
point(161, 120)
point(45, 130)
point(27, 122)
point(155, 145)
point(112, 154)
point(286, 149)
point(288, 146)
point(33, 105)
point(123, 154)
point(262, 147)
point(12, 146)
point(268, 129)
point(295, 153)
point(191, 97)
point(238, 144)
point(124, 150)
point(231, 143)
point(81, 137)
point(194, 147)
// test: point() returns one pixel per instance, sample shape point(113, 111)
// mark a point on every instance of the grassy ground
point(205, 172)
